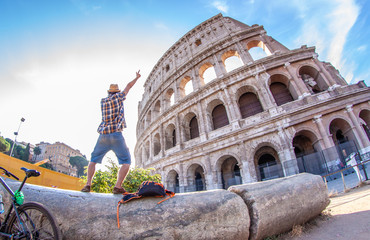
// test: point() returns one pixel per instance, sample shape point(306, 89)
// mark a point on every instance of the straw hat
point(113, 88)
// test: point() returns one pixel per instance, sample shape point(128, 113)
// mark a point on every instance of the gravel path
point(346, 217)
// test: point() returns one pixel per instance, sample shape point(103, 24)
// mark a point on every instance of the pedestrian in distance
point(110, 135)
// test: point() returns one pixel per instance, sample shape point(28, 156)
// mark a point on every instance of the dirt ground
point(346, 217)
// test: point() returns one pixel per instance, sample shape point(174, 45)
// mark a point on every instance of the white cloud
point(329, 32)
point(362, 48)
point(221, 6)
point(160, 26)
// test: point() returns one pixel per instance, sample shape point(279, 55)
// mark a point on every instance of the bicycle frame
point(12, 206)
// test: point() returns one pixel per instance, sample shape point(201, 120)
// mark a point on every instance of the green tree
point(104, 181)
point(37, 151)
point(80, 163)
point(47, 165)
point(4, 145)
point(26, 153)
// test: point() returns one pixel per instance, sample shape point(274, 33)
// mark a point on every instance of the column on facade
point(182, 178)
point(244, 54)
point(287, 155)
point(363, 141)
point(209, 173)
point(230, 106)
point(328, 142)
point(246, 167)
point(219, 67)
point(195, 79)
point(202, 122)
point(329, 81)
point(162, 140)
point(297, 82)
point(264, 94)
point(179, 133)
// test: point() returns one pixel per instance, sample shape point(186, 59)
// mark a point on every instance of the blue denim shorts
point(114, 142)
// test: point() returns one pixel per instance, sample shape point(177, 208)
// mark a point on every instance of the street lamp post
point(16, 134)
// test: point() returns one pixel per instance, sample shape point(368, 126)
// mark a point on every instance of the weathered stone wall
point(319, 103)
point(250, 211)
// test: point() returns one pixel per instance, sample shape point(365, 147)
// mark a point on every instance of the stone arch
point(267, 163)
point(341, 131)
point(249, 104)
point(156, 144)
point(169, 98)
point(258, 49)
point(157, 109)
point(312, 78)
point(365, 121)
point(304, 143)
point(191, 126)
point(196, 177)
point(186, 86)
point(148, 118)
point(229, 168)
point(170, 136)
point(231, 60)
point(146, 151)
point(173, 181)
point(207, 73)
point(218, 114)
point(280, 89)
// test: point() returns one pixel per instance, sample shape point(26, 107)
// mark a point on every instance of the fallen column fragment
point(275, 206)
point(216, 214)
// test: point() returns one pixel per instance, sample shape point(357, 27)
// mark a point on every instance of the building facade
point(228, 104)
point(59, 154)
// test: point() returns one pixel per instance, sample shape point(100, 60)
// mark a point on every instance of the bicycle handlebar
point(9, 174)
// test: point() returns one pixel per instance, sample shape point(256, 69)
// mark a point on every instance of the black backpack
point(146, 189)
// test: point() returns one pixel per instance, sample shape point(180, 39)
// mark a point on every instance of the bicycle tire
point(39, 223)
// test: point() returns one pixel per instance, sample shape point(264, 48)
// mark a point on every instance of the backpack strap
point(126, 197)
point(169, 194)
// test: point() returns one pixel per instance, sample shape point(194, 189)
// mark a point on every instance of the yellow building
point(59, 154)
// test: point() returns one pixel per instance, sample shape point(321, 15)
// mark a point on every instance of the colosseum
point(228, 104)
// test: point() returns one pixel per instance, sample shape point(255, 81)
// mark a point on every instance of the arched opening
point(257, 49)
point(268, 164)
point(312, 79)
point(281, 93)
point(169, 98)
point(186, 86)
point(170, 136)
point(231, 60)
point(148, 118)
point(207, 73)
point(173, 183)
point(191, 129)
point(194, 130)
point(157, 109)
point(230, 173)
point(249, 105)
point(219, 117)
point(196, 178)
point(157, 144)
point(307, 152)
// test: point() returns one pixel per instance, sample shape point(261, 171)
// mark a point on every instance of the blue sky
point(57, 58)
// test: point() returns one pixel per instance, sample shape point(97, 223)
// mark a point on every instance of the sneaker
point(86, 188)
point(117, 190)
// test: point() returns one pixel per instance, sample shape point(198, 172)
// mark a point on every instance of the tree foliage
point(80, 163)
point(104, 181)
point(37, 151)
point(4, 145)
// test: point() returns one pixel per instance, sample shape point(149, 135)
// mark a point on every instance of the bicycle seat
point(31, 172)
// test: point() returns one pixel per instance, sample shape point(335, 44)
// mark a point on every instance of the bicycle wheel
point(37, 221)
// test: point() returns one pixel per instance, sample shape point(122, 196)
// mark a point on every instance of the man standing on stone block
point(110, 138)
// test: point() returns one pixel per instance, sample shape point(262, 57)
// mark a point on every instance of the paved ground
point(347, 217)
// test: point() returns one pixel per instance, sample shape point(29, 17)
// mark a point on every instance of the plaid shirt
point(113, 118)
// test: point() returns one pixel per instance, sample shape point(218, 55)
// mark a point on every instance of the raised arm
point(132, 83)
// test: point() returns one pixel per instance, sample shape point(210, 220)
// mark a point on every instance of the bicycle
point(30, 220)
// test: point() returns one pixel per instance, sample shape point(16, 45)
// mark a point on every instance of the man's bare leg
point(122, 175)
point(90, 173)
